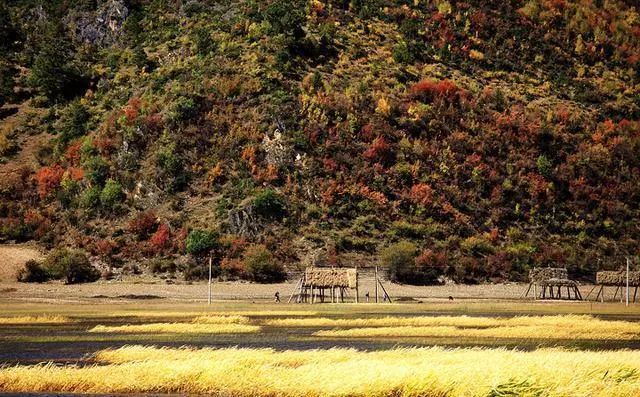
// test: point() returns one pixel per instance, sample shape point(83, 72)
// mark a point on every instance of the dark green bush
point(399, 260)
point(111, 194)
point(286, 17)
point(203, 41)
point(200, 271)
point(33, 272)
point(71, 265)
point(53, 73)
point(96, 170)
point(73, 122)
point(401, 53)
point(161, 265)
point(90, 198)
point(183, 109)
point(170, 170)
point(201, 242)
point(269, 204)
point(260, 265)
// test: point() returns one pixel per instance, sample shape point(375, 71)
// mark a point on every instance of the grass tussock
point(271, 313)
point(526, 327)
point(187, 314)
point(178, 328)
point(431, 371)
point(221, 320)
point(26, 320)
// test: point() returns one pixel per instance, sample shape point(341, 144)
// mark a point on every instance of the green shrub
point(410, 230)
point(161, 265)
point(401, 53)
point(269, 204)
point(33, 272)
point(96, 170)
point(90, 198)
point(7, 82)
point(170, 170)
point(286, 17)
point(201, 242)
point(53, 73)
point(111, 194)
point(260, 265)
point(399, 260)
point(544, 165)
point(71, 265)
point(73, 122)
point(203, 41)
point(183, 109)
point(477, 246)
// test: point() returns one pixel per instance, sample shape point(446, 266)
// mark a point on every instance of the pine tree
point(53, 73)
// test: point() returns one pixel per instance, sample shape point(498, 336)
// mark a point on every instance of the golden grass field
point(462, 349)
point(16, 320)
point(522, 327)
point(178, 328)
point(431, 371)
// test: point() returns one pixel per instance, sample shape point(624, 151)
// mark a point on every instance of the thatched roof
point(617, 278)
point(540, 274)
point(330, 277)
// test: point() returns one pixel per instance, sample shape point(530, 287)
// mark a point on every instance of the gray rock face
point(103, 26)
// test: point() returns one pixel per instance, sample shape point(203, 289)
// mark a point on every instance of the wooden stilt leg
point(589, 294)
point(295, 291)
point(384, 291)
point(578, 294)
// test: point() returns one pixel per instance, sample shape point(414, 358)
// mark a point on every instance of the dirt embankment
point(13, 258)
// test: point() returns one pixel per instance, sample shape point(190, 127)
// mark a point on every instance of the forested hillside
point(475, 138)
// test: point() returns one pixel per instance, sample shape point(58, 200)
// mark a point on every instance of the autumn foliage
point(48, 179)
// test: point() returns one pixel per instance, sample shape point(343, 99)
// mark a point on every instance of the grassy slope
point(527, 157)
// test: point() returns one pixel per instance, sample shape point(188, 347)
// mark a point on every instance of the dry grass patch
point(222, 320)
point(271, 313)
point(573, 321)
point(525, 327)
point(183, 314)
point(26, 320)
point(339, 372)
point(178, 328)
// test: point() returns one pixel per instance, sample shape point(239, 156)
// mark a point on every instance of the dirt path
point(13, 258)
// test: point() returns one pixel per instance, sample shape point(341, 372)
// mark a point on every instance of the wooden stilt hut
point(617, 279)
point(326, 285)
point(552, 283)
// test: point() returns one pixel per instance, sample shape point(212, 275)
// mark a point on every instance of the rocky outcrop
point(102, 27)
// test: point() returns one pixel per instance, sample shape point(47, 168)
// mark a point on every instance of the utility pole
point(356, 284)
point(627, 303)
point(376, 273)
point(210, 260)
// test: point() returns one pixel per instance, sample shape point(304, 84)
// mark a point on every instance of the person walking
point(277, 297)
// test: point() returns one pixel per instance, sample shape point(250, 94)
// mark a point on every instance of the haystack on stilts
point(330, 284)
point(616, 279)
point(552, 281)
